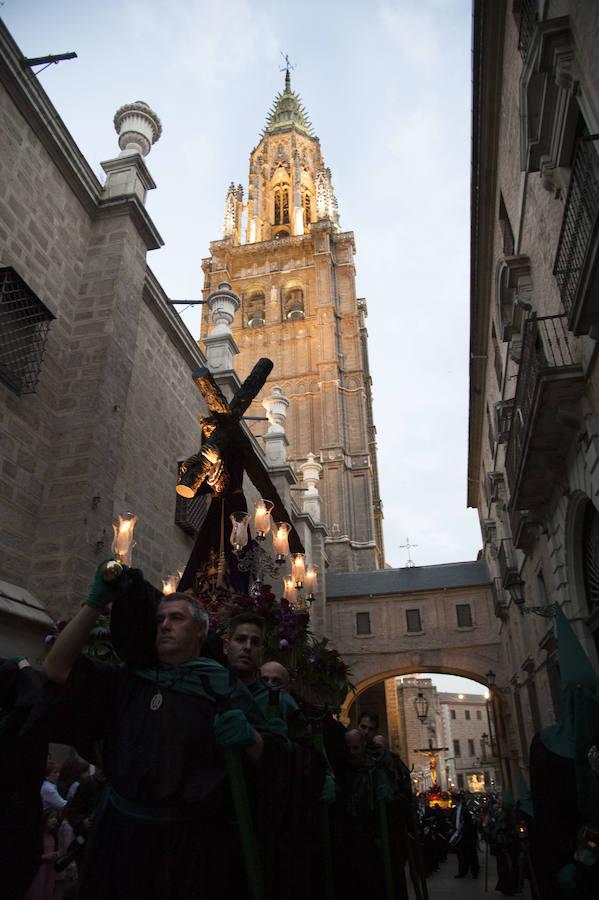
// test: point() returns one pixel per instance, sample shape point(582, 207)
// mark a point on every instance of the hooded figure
point(564, 786)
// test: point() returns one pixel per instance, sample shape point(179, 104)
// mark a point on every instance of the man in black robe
point(164, 829)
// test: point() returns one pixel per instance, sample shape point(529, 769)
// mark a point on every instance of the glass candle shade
point(290, 590)
point(239, 531)
point(280, 540)
point(122, 542)
point(298, 568)
point(169, 584)
point(311, 580)
point(262, 518)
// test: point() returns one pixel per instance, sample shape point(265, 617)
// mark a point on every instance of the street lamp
point(491, 676)
point(421, 705)
point(515, 585)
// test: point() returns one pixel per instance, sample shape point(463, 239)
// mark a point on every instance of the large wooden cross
point(227, 450)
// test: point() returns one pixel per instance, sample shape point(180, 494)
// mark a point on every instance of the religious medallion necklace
point(156, 701)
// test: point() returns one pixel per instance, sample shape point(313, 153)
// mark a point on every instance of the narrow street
point(442, 885)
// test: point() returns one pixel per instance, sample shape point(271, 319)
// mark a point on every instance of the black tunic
point(165, 827)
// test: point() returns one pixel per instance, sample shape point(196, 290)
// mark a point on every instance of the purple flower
point(283, 643)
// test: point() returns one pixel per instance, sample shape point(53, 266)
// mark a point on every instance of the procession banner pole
point(241, 804)
point(324, 821)
point(486, 863)
point(379, 779)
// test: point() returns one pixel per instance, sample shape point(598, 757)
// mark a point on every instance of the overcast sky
point(387, 86)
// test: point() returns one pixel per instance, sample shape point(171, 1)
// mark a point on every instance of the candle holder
point(239, 531)
point(280, 541)
point(262, 518)
point(298, 569)
point(311, 582)
point(122, 547)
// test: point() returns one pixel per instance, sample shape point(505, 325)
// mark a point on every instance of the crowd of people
point(196, 772)
point(191, 776)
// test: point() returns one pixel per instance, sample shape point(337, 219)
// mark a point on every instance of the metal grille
point(545, 346)
point(590, 551)
point(526, 25)
point(579, 222)
point(24, 324)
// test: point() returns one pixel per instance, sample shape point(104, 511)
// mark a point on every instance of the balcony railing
point(527, 19)
point(576, 266)
point(550, 381)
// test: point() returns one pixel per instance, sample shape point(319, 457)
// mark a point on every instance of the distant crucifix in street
point(432, 753)
point(408, 546)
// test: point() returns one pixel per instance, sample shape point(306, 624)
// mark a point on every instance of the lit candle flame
point(123, 543)
point(169, 584)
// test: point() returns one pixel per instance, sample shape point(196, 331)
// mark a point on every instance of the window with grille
point(24, 324)
point(363, 623)
point(471, 750)
point(479, 714)
point(452, 713)
point(456, 748)
point(464, 614)
point(467, 715)
point(413, 620)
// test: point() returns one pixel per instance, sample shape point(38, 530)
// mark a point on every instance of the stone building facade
point(468, 735)
point(284, 254)
point(533, 470)
point(97, 404)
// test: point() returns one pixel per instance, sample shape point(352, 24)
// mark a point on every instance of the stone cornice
point(488, 29)
point(36, 108)
point(131, 205)
point(156, 299)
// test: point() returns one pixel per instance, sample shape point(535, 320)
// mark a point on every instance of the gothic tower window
point(254, 306)
point(281, 203)
point(294, 303)
point(307, 208)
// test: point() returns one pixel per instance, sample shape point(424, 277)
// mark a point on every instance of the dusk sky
point(387, 87)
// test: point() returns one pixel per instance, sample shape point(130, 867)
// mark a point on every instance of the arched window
point(307, 208)
point(281, 204)
point(294, 303)
point(255, 306)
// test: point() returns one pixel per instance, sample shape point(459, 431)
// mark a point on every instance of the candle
point(280, 540)
point(169, 584)
point(239, 531)
point(262, 518)
point(298, 568)
point(311, 580)
point(123, 543)
point(290, 590)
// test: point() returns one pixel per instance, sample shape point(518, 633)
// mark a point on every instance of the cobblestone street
point(442, 885)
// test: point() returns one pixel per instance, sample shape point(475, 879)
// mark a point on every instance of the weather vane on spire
point(287, 68)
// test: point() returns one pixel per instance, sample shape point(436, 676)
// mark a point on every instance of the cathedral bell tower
point(285, 255)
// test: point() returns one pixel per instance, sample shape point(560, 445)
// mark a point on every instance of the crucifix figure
point(217, 469)
point(432, 753)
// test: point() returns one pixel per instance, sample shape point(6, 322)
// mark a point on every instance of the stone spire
point(288, 111)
